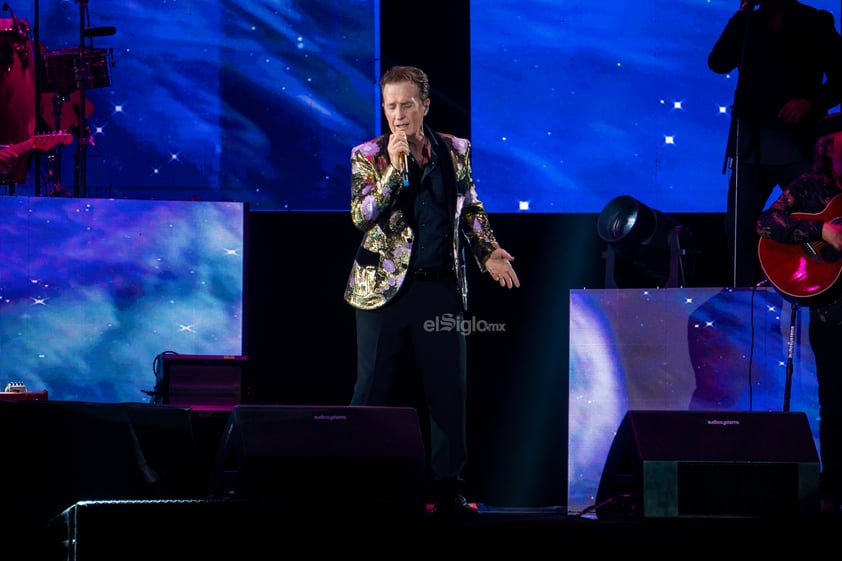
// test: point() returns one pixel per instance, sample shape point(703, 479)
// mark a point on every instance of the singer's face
point(403, 108)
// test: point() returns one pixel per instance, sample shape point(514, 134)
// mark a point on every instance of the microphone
point(405, 161)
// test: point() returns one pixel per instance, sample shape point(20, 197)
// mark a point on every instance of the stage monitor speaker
point(665, 464)
point(323, 456)
point(201, 382)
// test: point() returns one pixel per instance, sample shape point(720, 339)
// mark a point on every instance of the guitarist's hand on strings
point(7, 160)
point(832, 234)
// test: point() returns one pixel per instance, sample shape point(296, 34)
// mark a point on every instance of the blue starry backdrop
point(256, 102)
point(573, 102)
point(576, 102)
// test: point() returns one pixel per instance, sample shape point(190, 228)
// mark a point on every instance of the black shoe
point(454, 505)
point(831, 508)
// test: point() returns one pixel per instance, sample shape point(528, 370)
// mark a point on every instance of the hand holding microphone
point(400, 144)
point(405, 161)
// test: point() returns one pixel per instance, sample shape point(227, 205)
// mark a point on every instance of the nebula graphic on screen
point(678, 349)
point(93, 290)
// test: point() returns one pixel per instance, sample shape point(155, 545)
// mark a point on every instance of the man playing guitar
point(800, 252)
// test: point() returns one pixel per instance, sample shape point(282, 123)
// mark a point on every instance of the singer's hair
point(407, 74)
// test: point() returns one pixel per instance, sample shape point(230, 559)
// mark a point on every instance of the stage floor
point(243, 530)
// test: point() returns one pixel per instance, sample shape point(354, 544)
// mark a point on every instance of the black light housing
point(655, 247)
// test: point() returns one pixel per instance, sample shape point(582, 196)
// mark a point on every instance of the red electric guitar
point(807, 271)
point(45, 141)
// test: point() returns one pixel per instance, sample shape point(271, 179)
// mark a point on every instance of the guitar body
point(803, 273)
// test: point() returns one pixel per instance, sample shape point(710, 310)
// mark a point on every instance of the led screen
point(572, 103)
point(93, 290)
point(576, 102)
point(258, 102)
point(677, 349)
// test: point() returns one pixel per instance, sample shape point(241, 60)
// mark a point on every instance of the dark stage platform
point(243, 530)
point(91, 482)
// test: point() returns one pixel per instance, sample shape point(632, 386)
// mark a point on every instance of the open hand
point(499, 266)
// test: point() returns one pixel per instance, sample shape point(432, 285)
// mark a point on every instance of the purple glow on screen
point(92, 290)
point(676, 349)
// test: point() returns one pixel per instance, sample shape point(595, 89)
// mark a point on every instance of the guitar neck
point(40, 142)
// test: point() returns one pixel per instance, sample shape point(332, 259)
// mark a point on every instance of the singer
point(414, 199)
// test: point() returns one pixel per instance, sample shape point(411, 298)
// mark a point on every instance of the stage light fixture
point(655, 249)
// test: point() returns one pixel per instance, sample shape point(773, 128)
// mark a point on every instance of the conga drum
point(17, 91)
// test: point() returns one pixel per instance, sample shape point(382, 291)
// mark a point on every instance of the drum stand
point(83, 68)
point(80, 188)
point(54, 159)
point(80, 169)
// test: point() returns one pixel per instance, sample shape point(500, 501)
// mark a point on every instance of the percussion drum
point(17, 92)
point(66, 70)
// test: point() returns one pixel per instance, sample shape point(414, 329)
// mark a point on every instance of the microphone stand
point(733, 162)
point(791, 345)
point(736, 169)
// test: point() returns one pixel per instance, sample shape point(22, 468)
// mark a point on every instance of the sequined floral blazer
point(383, 258)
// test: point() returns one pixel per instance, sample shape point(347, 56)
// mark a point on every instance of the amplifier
point(201, 382)
point(16, 391)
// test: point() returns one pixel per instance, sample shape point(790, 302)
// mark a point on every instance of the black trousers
point(424, 318)
point(825, 339)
